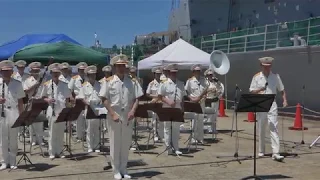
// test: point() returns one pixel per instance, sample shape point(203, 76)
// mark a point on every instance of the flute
point(2, 108)
point(53, 113)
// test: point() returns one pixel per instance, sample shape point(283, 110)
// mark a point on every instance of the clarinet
point(2, 108)
point(53, 113)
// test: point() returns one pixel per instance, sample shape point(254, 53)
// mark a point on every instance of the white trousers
point(272, 119)
point(197, 125)
point(56, 134)
point(80, 125)
point(93, 133)
point(120, 135)
point(8, 138)
point(175, 134)
point(36, 132)
point(212, 115)
point(158, 127)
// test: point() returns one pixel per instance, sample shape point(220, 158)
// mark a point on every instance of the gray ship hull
point(298, 67)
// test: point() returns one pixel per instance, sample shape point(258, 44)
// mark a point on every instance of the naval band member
point(120, 96)
point(267, 82)
point(11, 101)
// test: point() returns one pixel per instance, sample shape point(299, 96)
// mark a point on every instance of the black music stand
point(26, 118)
point(194, 108)
point(92, 115)
point(255, 103)
point(67, 115)
point(172, 115)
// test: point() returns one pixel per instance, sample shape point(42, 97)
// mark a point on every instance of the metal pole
point(265, 37)
point(132, 53)
point(309, 23)
point(245, 44)
point(277, 42)
point(226, 90)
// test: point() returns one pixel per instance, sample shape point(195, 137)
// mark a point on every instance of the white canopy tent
point(180, 52)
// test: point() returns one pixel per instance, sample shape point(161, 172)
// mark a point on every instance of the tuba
point(220, 64)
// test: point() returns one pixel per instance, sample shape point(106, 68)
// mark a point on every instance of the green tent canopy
point(61, 52)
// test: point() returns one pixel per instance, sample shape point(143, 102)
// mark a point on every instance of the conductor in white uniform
point(172, 92)
point(266, 82)
point(120, 96)
point(11, 106)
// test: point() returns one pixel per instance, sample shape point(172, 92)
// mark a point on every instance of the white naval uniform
point(105, 122)
point(17, 76)
point(163, 77)
point(64, 79)
point(121, 96)
point(212, 112)
point(194, 88)
point(90, 94)
point(153, 89)
point(56, 130)
point(274, 83)
point(75, 85)
point(175, 92)
point(8, 136)
point(36, 129)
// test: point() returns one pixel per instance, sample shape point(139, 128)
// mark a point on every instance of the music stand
point(69, 114)
point(92, 115)
point(255, 103)
point(172, 115)
point(26, 118)
point(194, 108)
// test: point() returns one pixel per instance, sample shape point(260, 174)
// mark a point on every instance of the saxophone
point(213, 92)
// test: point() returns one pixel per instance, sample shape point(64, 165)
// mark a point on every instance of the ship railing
point(262, 38)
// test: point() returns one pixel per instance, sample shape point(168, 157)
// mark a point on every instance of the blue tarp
point(9, 48)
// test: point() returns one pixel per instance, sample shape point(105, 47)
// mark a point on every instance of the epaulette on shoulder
point(75, 77)
point(109, 78)
point(256, 74)
point(164, 80)
point(46, 83)
point(85, 83)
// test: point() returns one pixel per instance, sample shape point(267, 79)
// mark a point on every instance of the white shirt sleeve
point(187, 87)
point(104, 91)
point(71, 84)
point(253, 85)
point(44, 92)
point(162, 90)
point(280, 86)
point(81, 93)
point(26, 85)
point(138, 90)
point(149, 88)
point(20, 91)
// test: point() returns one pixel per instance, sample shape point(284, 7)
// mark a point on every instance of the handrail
point(262, 38)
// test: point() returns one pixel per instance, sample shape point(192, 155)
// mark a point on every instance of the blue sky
point(115, 21)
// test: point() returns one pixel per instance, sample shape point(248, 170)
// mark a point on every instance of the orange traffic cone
point(222, 113)
point(298, 120)
point(250, 117)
